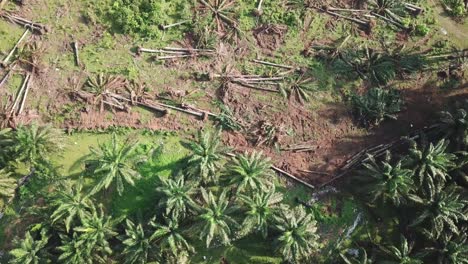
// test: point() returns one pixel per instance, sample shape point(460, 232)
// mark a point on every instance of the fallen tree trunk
point(26, 91)
point(39, 28)
point(8, 57)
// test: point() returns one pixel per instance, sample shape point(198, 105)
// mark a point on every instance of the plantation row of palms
point(418, 199)
point(210, 204)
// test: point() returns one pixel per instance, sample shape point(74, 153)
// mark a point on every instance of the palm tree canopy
point(386, 182)
point(249, 172)
point(169, 238)
point(114, 163)
point(432, 165)
point(261, 210)
point(71, 203)
point(214, 218)
point(74, 250)
point(442, 213)
point(136, 244)
point(401, 254)
point(7, 184)
point(34, 143)
point(207, 154)
point(176, 196)
point(97, 229)
point(28, 250)
point(297, 234)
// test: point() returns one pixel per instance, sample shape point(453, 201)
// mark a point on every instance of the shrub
point(421, 30)
point(455, 8)
point(376, 105)
point(143, 17)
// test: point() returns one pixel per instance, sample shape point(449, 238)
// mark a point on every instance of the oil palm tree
point(261, 210)
point(442, 213)
point(137, 245)
point(298, 87)
point(7, 184)
point(114, 163)
point(215, 222)
point(297, 234)
point(401, 254)
point(176, 196)
point(386, 182)
point(71, 204)
point(29, 250)
point(74, 250)
point(453, 249)
point(249, 172)
point(431, 165)
point(455, 126)
point(96, 230)
point(169, 237)
point(206, 157)
point(33, 143)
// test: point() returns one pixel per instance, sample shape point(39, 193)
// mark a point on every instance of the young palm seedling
point(298, 87)
point(99, 86)
point(219, 16)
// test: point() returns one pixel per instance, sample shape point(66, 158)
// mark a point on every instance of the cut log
point(18, 96)
point(8, 57)
point(255, 87)
point(165, 27)
point(355, 20)
point(75, 50)
point(188, 50)
point(197, 114)
point(39, 28)
point(26, 91)
point(289, 175)
point(5, 77)
point(273, 64)
point(174, 57)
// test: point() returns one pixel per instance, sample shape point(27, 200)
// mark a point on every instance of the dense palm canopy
point(453, 250)
point(431, 165)
point(71, 204)
point(7, 184)
point(442, 213)
point(33, 143)
point(207, 154)
point(97, 229)
point(386, 182)
point(215, 219)
point(401, 254)
point(261, 209)
point(297, 234)
point(169, 237)
point(176, 196)
point(74, 250)
point(455, 126)
point(249, 172)
point(137, 245)
point(114, 163)
point(28, 250)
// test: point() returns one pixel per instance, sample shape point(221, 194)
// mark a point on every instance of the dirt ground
point(326, 126)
